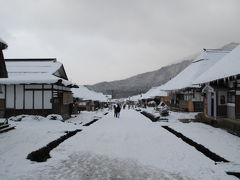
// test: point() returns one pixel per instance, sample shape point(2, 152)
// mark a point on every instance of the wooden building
point(3, 74)
point(90, 100)
point(37, 87)
point(154, 94)
point(184, 94)
point(188, 99)
point(222, 87)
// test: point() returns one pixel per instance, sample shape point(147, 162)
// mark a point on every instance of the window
point(222, 99)
point(1, 89)
point(231, 97)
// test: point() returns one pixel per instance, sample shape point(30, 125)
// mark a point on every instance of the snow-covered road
point(131, 147)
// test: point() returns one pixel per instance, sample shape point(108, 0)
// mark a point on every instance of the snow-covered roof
point(86, 94)
point(199, 66)
point(228, 66)
point(135, 98)
point(26, 71)
point(153, 92)
point(41, 66)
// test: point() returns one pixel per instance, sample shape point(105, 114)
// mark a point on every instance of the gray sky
point(104, 40)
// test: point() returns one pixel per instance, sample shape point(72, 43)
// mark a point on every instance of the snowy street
point(120, 90)
point(131, 147)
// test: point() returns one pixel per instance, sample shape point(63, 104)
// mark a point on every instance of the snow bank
point(54, 117)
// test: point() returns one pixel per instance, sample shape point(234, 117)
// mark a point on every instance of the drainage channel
point(95, 120)
point(91, 122)
point(211, 155)
point(236, 174)
point(42, 154)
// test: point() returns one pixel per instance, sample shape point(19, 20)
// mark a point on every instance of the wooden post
point(3, 69)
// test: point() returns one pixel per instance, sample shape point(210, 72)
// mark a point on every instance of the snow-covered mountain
point(140, 83)
point(143, 82)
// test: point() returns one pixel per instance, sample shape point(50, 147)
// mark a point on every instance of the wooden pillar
point(3, 69)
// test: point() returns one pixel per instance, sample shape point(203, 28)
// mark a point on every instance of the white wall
point(33, 86)
point(46, 86)
point(34, 99)
point(10, 96)
point(38, 99)
point(47, 99)
point(19, 96)
point(28, 99)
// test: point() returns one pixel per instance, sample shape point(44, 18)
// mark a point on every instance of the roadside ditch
point(211, 155)
point(43, 154)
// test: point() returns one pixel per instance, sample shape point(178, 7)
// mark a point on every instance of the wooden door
point(237, 106)
point(2, 108)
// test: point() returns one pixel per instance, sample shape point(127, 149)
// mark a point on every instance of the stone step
point(7, 129)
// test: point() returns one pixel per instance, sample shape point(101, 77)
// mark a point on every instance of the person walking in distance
point(115, 110)
point(118, 110)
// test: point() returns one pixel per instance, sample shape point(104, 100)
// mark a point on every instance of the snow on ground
point(87, 116)
point(32, 133)
point(131, 147)
point(215, 139)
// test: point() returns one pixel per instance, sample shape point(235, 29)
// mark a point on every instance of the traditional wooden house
point(222, 87)
point(154, 94)
point(183, 93)
point(3, 74)
point(89, 100)
point(37, 87)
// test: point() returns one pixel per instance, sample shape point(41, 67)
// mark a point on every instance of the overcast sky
point(104, 40)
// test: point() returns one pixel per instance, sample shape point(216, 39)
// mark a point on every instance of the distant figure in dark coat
point(118, 109)
point(115, 111)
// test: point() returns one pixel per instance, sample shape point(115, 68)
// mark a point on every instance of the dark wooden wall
point(3, 70)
